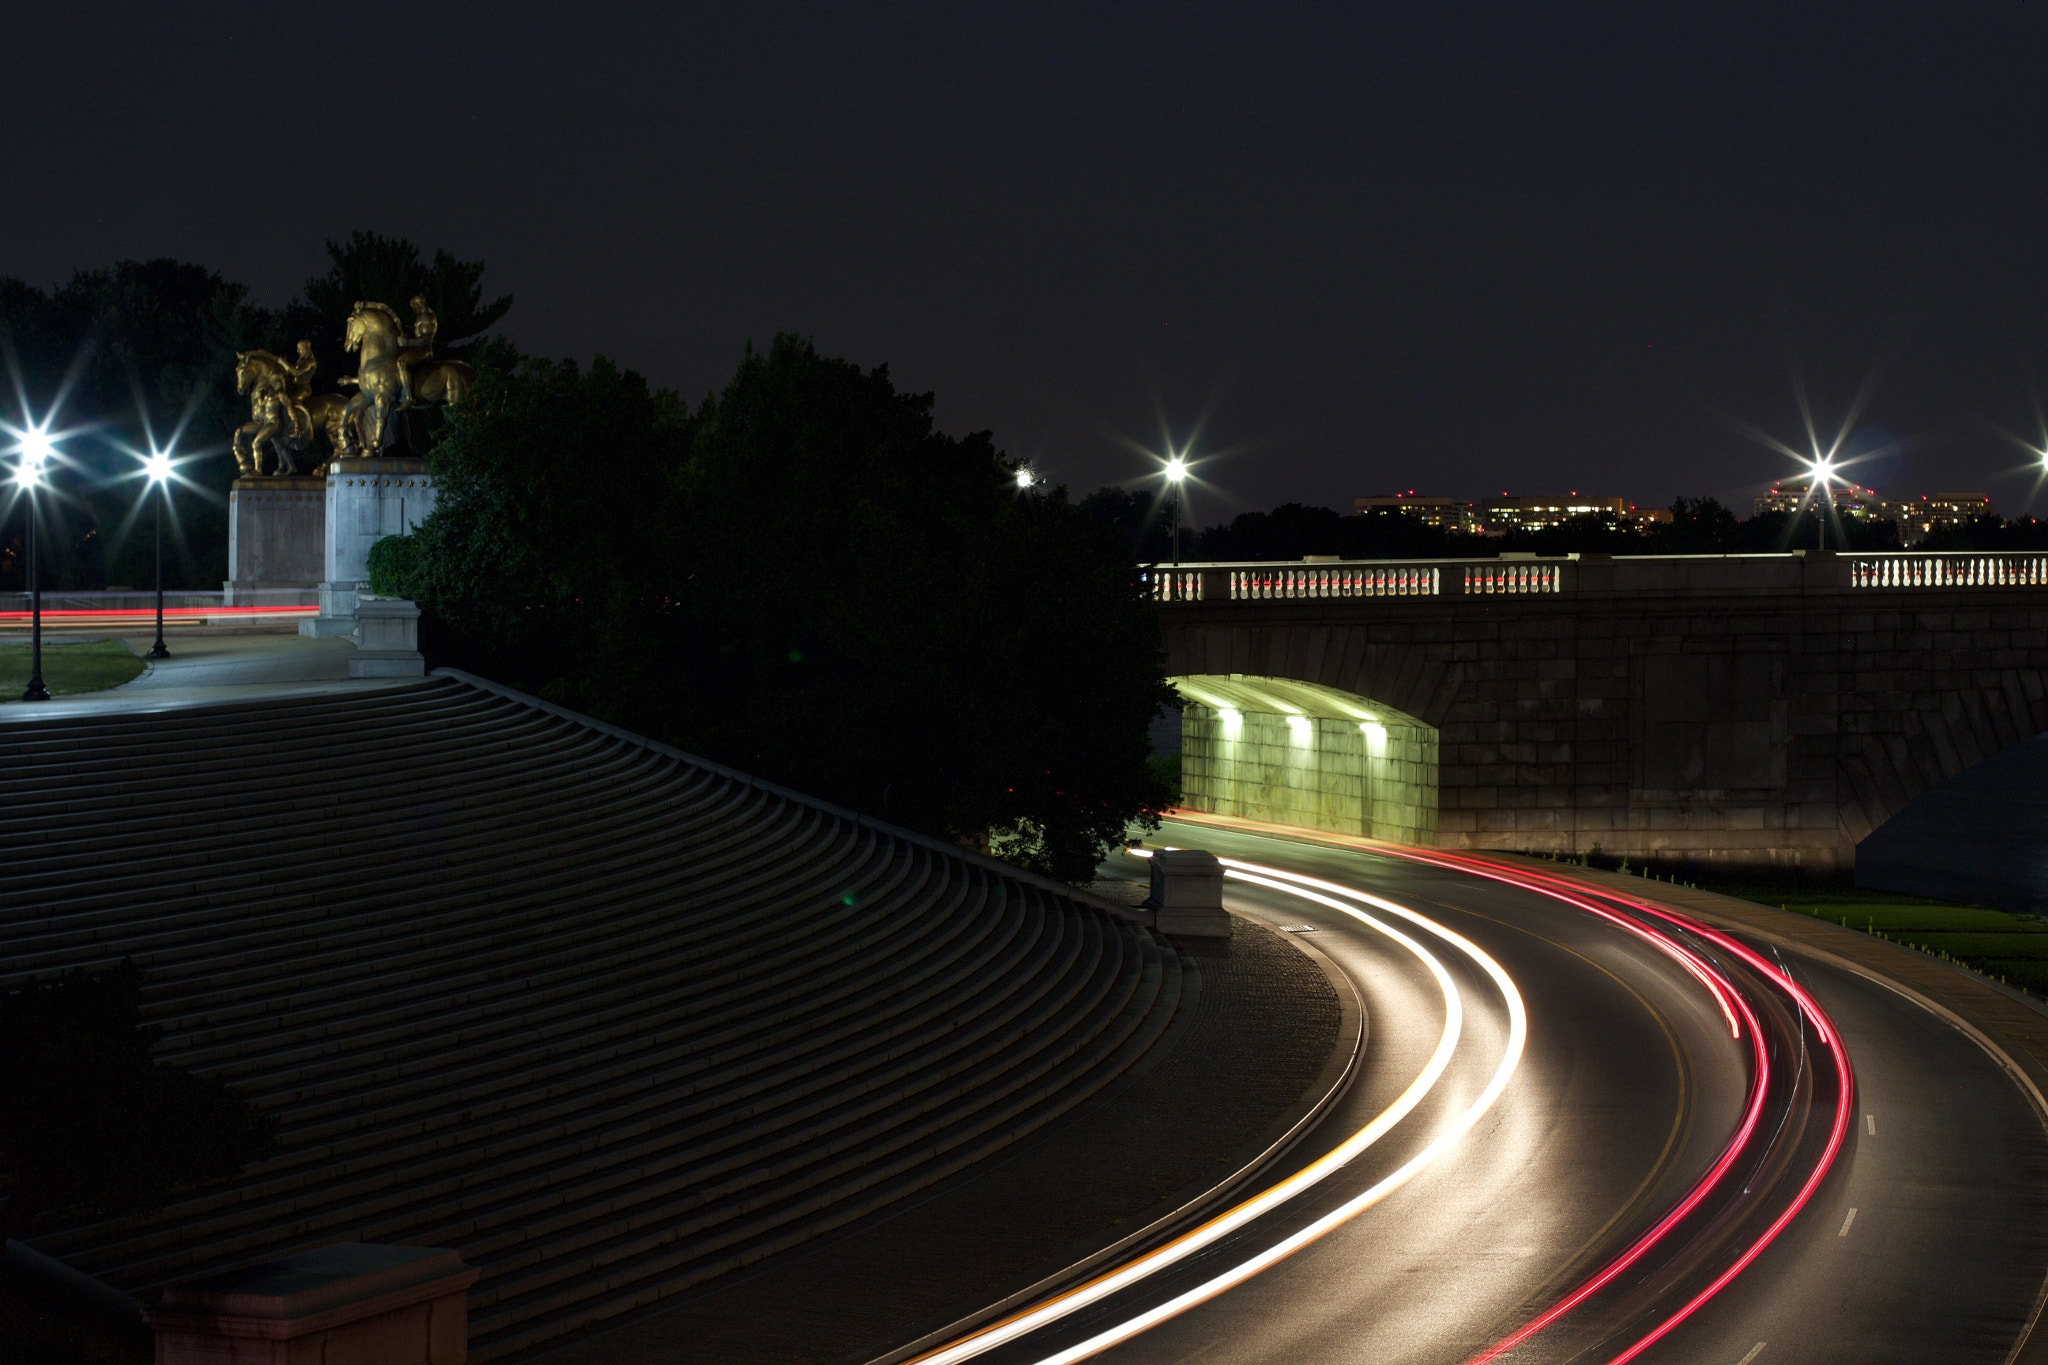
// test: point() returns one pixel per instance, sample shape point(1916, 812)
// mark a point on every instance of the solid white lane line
point(1754, 1352)
point(1845, 1224)
point(1871, 1120)
point(1052, 1310)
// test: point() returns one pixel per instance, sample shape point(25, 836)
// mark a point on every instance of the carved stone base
point(387, 639)
point(277, 539)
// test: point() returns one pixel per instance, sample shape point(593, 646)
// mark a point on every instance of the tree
point(804, 580)
point(549, 549)
point(92, 1124)
point(900, 630)
point(390, 270)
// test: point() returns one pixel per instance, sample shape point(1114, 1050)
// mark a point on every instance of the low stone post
point(358, 1303)
point(387, 639)
point(1187, 894)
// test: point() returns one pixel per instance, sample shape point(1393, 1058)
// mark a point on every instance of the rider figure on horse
point(298, 389)
point(419, 347)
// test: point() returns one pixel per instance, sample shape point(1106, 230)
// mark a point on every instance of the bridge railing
point(1952, 570)
point(1596, 575)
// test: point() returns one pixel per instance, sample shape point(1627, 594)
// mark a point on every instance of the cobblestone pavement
point(1236, 1072)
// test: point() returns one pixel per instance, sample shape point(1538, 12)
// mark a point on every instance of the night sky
point(1342, 250)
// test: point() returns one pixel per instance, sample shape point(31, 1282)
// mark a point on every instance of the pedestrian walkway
point(205, 667)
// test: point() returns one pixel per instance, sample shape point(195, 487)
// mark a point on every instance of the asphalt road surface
point(1674, 1169)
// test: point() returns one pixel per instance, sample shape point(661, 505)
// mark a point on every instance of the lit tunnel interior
point(1297, 753)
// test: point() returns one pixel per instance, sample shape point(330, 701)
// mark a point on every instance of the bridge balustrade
point(1574, 575)
point(1909, 570)
point(1513, 575)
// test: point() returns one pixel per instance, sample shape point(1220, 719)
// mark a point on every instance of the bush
point(398, 567)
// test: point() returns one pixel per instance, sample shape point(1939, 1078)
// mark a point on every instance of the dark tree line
point(144, 350)
point(803, 579)
point(1142, 520)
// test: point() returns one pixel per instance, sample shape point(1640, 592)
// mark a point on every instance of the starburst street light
point(1176, 473)
point(1822, 468)
point(32, 453)
point(157, 466)
point(1026, 480)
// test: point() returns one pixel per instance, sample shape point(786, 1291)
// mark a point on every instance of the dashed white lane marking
point(1845, 1224)
point(1754, 1352)
point(1870, 1120)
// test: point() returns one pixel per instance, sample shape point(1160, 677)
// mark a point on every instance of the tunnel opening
point(1297, 753)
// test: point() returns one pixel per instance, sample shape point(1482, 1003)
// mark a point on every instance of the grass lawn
point(1994, 942)
point(68, 668)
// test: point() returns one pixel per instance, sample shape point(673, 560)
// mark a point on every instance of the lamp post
point(1176, 470)
point(35, 449)
point(1822, 491)
point(158, 467)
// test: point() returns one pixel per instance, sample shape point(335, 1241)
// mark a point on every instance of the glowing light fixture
point(1176, 469)
point(157, 465)
point(36, 448)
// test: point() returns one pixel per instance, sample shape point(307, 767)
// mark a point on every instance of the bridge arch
point(1302, 753)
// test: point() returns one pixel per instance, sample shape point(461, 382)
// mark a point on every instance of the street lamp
point(1025, 478)
point(158, 467)
point(1176, 470)
point(1823, 474)
point(28, 473)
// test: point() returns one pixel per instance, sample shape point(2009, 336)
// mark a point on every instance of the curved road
point(1646, 1097)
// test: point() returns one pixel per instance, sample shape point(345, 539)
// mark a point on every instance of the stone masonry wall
point(1770, 719)
point(1320, 773)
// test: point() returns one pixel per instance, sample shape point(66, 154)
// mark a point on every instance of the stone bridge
point(1746, 711)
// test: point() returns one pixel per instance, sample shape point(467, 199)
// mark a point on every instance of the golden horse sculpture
point(282, 413)
point(389, 357)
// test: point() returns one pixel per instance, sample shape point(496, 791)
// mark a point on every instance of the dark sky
point(1462, 249)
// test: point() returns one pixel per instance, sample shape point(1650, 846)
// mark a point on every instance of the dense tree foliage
point(144, 350)
point(805, 580)
point(92, 1124)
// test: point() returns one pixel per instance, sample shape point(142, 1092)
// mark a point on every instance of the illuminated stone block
point(1187, 894)
point(357, 1303)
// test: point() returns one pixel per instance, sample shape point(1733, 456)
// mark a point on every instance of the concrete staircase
point(608, 1019)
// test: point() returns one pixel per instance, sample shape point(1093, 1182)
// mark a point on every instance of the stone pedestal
point(277, 540)
point(387, 639)
point(358, 1302)
point(1187, 894)
point(366, 500)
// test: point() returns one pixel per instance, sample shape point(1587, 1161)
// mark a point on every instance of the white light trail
point(1310, 1175)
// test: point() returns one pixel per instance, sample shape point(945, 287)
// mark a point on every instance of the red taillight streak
point(149, 613)
point(1752, 1114)
point(1542, 884)
point(1820, 1170)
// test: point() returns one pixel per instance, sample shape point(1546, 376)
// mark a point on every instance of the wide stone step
point(609, 1019)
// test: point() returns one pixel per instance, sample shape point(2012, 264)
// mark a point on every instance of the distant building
point(1850, 500)
point(1934, 512)
point(1498, 516)
point(1446, 514)
point(1916, 518)
point(1513, 513)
